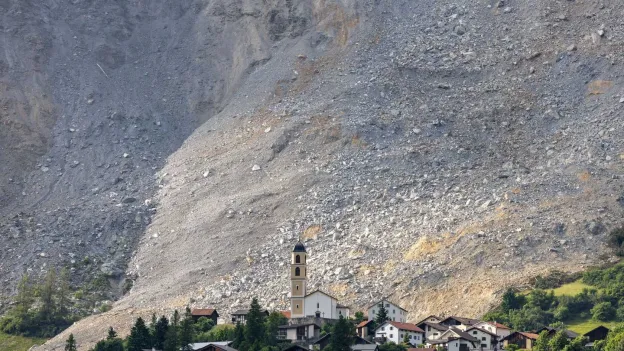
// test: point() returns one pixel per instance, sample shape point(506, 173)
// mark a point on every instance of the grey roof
point(224, 345)
point(299, 247)
point(462, 320)
point(385, 299)
point(244, 312)
point(364, 347)
point(462, 334)
point(436, 326)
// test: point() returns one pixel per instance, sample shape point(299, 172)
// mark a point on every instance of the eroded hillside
point(434, 151)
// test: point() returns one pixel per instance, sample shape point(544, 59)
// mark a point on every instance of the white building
point(499, 329)
point(486, 340)
point(395, 312)
point(396, 331)
point(455, 339)
point(316, 303)
point(432, 330)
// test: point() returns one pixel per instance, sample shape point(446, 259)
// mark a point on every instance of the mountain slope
point(433, 151)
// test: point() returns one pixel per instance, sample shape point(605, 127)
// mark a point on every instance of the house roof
point(527, 335)
point(223, 345)
point(364, 347)
point(203, 312)
point(597, 328)
point(384, 299)
point(460, 335)
point(296, 347)
point(462, 320)
point(364, 323)
point(570, 334)
point(405, 326)
point(482, 330)
point(341, 306)
point(436, 326)
point(285, 314)
point(299, 247)
point(500, 326)
point(429, 316)
point(322, 292)
point(244, 312)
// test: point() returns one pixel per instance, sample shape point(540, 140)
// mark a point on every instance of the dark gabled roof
point(482, 330)
point(527, 335)
point(322, 292)
point(204, 312)
point(429, 316)
point(436, 326)
point(244, 312)
point(570, 334)
point(341, 306)
point(364, 347)
point(217, 345)
point(385, 299)
point(295, 347)
point(299, 247)
point(462, 334)
point(462, 320)
point(364, 323)
point(597, 328)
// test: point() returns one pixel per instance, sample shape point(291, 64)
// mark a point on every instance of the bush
point(616, 240)
point(603, 311)
point(554, 279)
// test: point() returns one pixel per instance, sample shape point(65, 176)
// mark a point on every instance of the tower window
point(318, 305)
point(297, 306)
point(297, 259)
point(297, 287)
point(297, 271)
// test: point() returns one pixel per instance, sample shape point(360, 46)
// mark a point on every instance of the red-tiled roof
point(529, 335)
point(363, 324)
point(406, 326)
point(285, 314)
point(203, 311)
point(498, 325)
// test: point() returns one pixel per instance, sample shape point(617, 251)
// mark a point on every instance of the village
point(384, 322)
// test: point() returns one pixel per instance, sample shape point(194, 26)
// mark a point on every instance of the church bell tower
point(298, 279)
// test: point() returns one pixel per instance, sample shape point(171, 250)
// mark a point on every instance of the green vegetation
point(595, 299)
point(616, 240)
point(18, 343)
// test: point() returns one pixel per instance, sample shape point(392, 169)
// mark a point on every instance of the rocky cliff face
point(435, 151)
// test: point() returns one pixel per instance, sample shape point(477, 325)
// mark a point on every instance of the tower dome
point(299, 247)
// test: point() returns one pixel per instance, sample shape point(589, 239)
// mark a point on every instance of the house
point(209, 313)
point(432, 330)
point(315, 304)
point(395, 312)
point(240, 316)
point(365, 347)
point(213, 346)
point(552, 331)
point(430, 319)
point(524, 340)
point(396, 331)
point(362, 329)
point(299, 332)
point(499, 329)
point(455, 339)
point(321, 343)
point(487, 339)
point(459, 322)
point(296, 347)
point(598, 333)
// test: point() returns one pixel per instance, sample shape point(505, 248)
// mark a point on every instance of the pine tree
point(25, 297)
point(112, 334)
point(47, 309)
point(186, 331)
point(406, 341)
point(160, 333)
point(239, 335)
point(139, 338)
point(70, 344)
point(272, 327)
point(172, 341)
point(342, 335)
point(152, 327)
point(254, 329)
point(382, 315)
point(63, 294)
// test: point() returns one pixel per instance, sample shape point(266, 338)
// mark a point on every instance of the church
point(304, 304)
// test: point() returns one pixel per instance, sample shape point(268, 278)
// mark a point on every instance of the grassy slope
point(17, 343)
point(571, 289)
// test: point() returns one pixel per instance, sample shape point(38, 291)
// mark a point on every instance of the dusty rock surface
point(433, 151)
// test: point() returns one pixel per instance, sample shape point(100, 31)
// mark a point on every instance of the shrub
point(616, 240)
point(603, 311)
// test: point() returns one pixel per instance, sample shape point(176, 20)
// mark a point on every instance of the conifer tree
point(112, 334)
point(70, 344)
point(273, 322)
point(382, 315)
point(172, 340)
point(160, 333)
point(254, 328)
point(186, 331)
point(342, 335)
point(139, 338)
point(63, 294)
point(239, 335)
point(25, 297)
point(47, 309)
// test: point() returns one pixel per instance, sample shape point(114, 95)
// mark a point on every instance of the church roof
point(299, 247)
point(322, 292)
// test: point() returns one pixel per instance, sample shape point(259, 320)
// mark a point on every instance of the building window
point(483, 338)
point(297, 272)
point(297, 306)
point(484, 346)
point(474, 332)
point(318, 305)
point(401, 336)
point(383, 328)
point(390, 336)
point(393, 311)
point(297, 259)
point(391, 328)
point(387, 305)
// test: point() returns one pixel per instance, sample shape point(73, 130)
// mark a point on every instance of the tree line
point(40, 310)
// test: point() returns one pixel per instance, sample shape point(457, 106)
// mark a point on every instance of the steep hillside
point(435, 151)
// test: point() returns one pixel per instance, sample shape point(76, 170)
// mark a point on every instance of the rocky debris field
point(432, 151)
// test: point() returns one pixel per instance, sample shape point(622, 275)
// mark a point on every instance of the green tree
point(160, 333)
point(172, 340)
point(70, 344)
point(64, 291)
point(541, 344)
point(406, 341)
point(390, 346)
point(359, 317)
point(186, 331)
point(512, 347)
point(603, 311)
point(112, 334)
point(271, 327)
point(382, 315)
point(114, 344)
point(342, 336)
point(577, 344)
point(529, 318)
point(239, 335)
point(203, 325)
point(541, 299)
point(559, 341)
point(139, 338)
point(254, 328)
point(512, 300)
point(46, 291)
point(615, 339)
